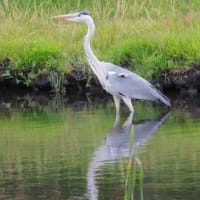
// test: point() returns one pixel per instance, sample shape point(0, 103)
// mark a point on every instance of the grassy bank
point(146, 36)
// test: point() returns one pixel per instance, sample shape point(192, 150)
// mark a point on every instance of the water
point(80, 151)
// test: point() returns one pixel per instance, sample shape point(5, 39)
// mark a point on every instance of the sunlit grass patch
point(146, 36)
point(158, 47)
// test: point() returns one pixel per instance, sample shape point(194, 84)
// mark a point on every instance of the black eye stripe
point(83, 13)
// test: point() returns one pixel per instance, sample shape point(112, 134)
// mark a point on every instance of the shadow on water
point(30, 100)
point(26, 100)
point(118, 144)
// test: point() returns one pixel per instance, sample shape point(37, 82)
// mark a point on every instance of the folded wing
point(131, 85)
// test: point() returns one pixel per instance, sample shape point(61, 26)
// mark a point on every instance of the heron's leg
point(117, 119)
point(128, 102)
point(117, 103)
point(129, 120)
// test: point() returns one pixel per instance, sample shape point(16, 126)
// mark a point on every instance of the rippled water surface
point(85, 152)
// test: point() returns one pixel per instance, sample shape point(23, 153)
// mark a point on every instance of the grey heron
point(119, 82)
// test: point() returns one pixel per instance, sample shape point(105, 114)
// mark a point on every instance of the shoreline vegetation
point(158, 40)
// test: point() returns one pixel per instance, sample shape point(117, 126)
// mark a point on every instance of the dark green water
point(78, 151)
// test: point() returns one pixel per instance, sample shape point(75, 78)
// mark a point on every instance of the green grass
point(146, 36)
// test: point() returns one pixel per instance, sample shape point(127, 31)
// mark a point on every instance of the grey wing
point(131, 85)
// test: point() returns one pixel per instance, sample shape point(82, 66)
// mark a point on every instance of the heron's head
point(81, 16)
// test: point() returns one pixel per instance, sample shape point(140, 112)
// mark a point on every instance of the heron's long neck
point(92, 59)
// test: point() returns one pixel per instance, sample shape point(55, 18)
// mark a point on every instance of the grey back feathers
point(131, 85)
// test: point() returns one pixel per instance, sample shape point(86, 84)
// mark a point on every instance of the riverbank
point(180, 80)
point(40, 101)
point(157, 40)
point(147, 37)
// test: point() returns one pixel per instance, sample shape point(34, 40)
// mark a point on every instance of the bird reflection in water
point(118, 144)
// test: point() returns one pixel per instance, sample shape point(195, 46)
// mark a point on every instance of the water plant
point(56, 80)
point(134, 164)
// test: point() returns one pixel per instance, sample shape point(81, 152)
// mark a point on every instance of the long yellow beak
point(60, 17)
point(65, 17)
